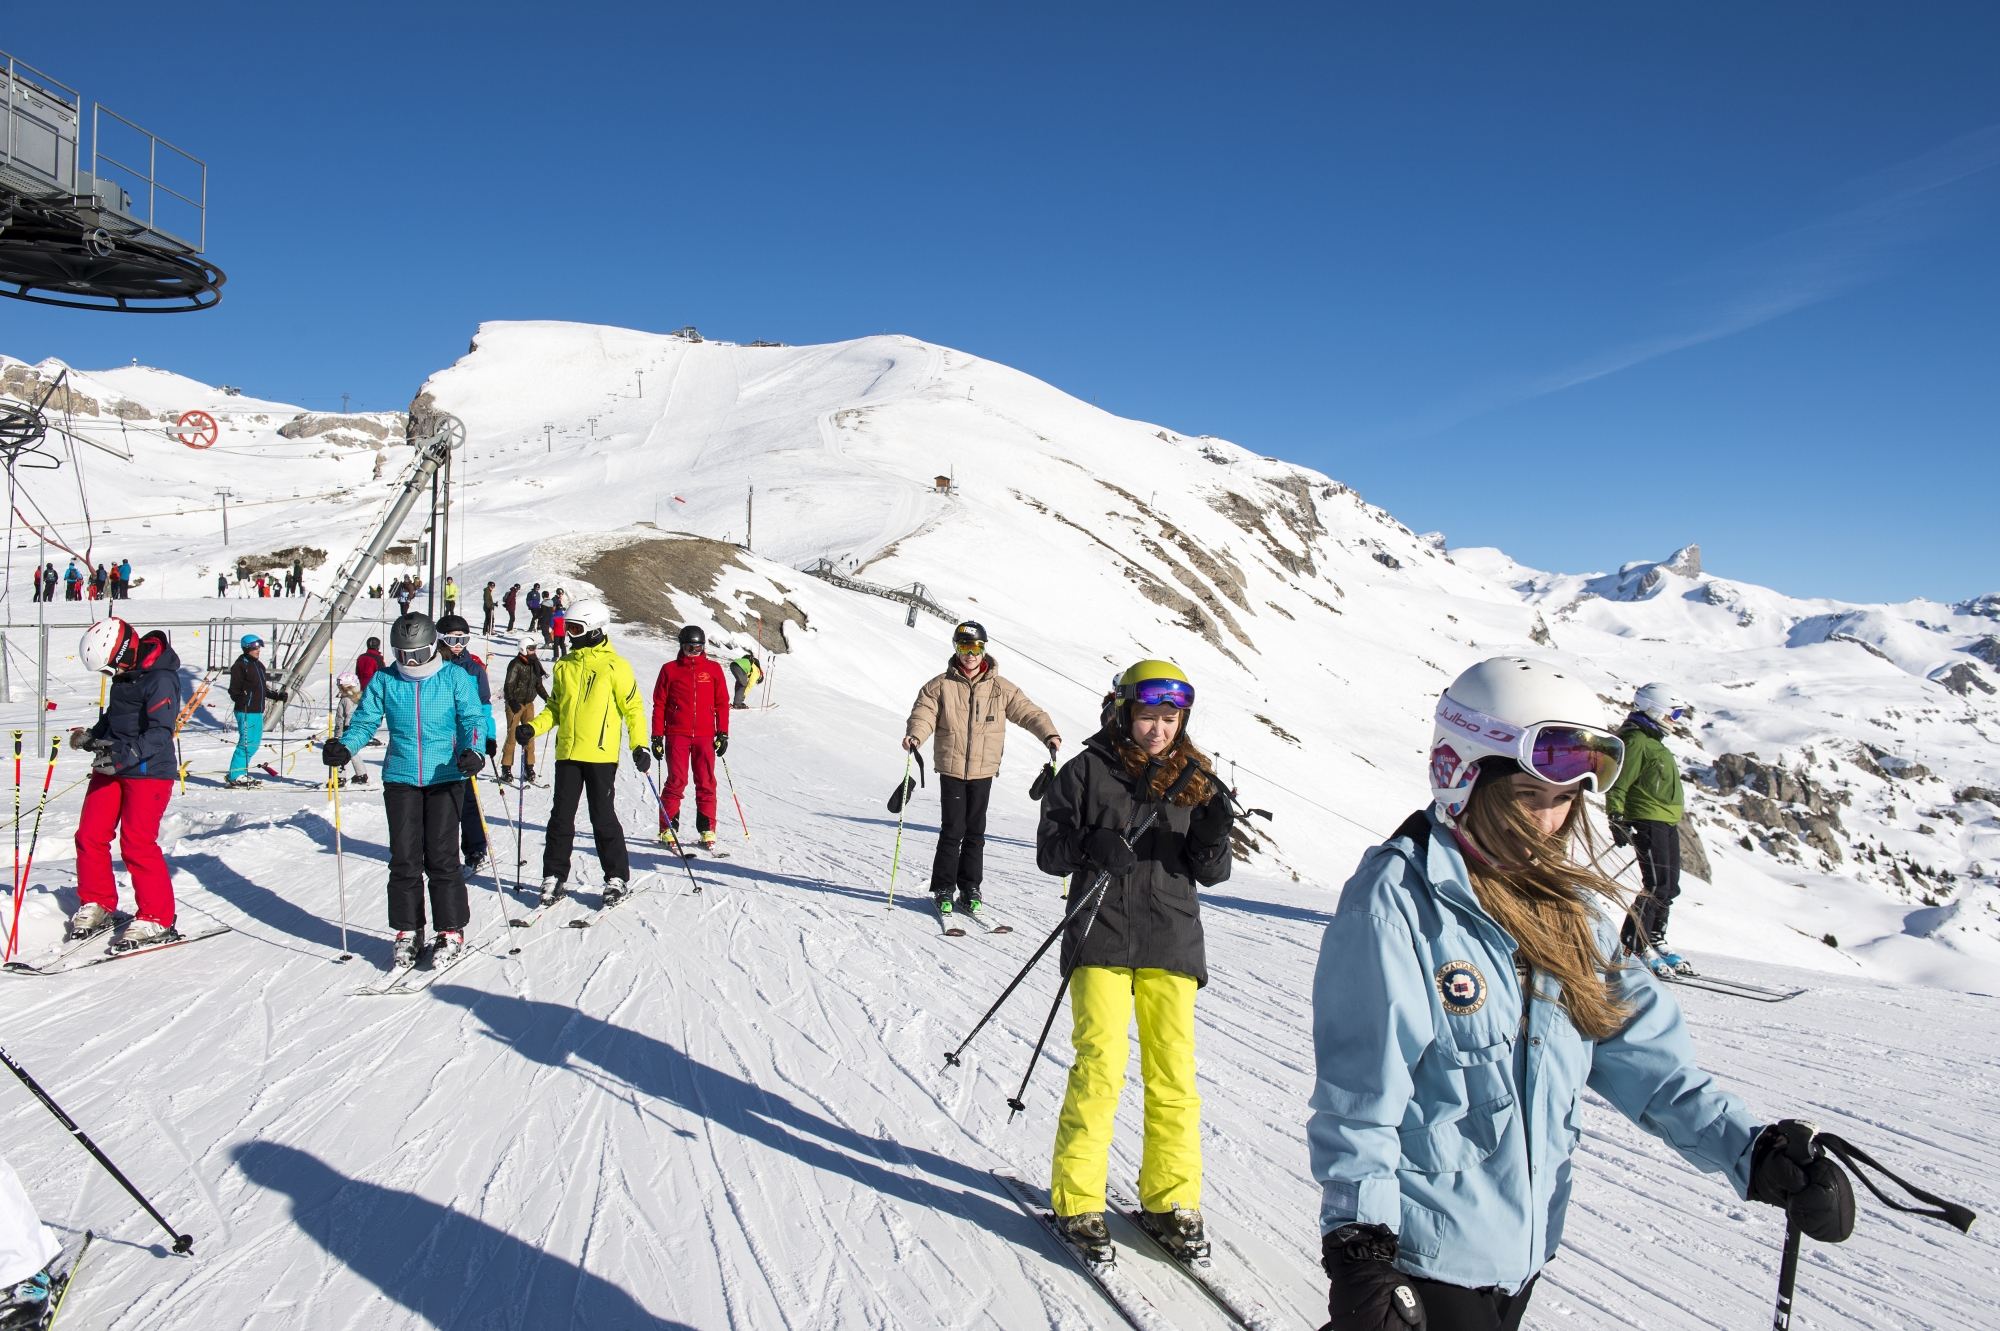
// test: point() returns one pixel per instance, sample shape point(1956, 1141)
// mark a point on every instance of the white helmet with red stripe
point(109, 646)
point(1545, 720)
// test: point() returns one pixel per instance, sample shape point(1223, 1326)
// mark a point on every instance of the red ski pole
point(739, 803)
point(55, 747)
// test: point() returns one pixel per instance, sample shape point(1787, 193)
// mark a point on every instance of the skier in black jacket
point(1142, 949)
point(248, 690)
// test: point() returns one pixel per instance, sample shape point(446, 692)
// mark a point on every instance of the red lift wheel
point(197, 429)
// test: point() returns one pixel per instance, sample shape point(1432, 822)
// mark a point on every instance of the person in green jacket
point(592, 694)
point(1644, 807)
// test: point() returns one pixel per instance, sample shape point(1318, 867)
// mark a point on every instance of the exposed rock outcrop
point(1781, 800)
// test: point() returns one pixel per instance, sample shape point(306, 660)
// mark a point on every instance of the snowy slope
point(729, 1110)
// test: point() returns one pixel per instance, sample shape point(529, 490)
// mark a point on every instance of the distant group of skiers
point(263, 584)
point(106, 582)
point(1479, 970)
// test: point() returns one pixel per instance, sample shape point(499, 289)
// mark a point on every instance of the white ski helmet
point(1660, 702)
point(586, 617)
point(109, 646)
point(1528, 711)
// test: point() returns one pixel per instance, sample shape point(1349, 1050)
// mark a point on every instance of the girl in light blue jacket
point(1469, 987)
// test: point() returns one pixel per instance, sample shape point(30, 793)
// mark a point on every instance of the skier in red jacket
point(690, 728)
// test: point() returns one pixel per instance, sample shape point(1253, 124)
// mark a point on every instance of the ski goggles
point(416, 656)
point(455, 641)
point(969, 646)
point(1558, 752)
point(1153, 692)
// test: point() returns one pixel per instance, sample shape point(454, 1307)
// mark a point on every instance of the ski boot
point(89, 919)
point(944, 905)
point(27, 1303)
point(1668, 964)
point(708, 838)
point(528, 774)
point(970, 903)
point(408, 945)
point(144, 933)
point(360, 780)
point(1179, 1231)
point(552, 891)
point(615, 891)
point(474, 862)
point(507, 775)
point(449, 947)
point(243, 783)
point(1087, 1234)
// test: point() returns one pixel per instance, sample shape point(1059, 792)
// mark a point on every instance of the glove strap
point(1958, 1217)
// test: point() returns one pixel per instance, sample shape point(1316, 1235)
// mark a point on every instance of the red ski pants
point(683, 752)
point(131, 806)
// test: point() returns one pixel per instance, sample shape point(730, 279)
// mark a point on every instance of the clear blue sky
point(1584, 281)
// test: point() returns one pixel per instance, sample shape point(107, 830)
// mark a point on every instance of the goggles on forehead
point(1153, 692)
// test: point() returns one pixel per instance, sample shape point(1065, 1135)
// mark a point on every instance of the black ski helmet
point(692, 637)
point(414, 639)
point(968, 634)
point(453, 624)
point(374, 644)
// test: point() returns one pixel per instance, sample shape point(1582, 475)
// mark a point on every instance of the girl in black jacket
point(1139, 817)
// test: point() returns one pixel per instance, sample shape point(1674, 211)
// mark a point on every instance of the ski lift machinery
point(127, 235)
point(435, 439)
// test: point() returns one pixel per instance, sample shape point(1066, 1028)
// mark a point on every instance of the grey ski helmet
point(413, 638)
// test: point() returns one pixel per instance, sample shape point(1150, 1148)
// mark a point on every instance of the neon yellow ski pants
point(1102, 1002)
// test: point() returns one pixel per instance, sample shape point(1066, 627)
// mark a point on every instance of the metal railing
point(150, 176)
point(42, 126)
point(916, 596)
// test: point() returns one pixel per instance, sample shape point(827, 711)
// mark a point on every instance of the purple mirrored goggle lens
point(1153, 692)
point(1562, 754)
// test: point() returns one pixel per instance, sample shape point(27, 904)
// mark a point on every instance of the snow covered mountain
point(726, 1110)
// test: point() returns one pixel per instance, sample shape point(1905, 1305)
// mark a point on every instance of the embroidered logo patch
point(1462, 987)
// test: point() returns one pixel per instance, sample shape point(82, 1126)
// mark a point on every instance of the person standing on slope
point(968, 708)
point(594, 694)
point(487, 604)
point(1142, 951)
point(455, 641)
point(526, 681)
point(27, 1249)
point(1469, 987)
point(249, 689)
point(690, 730)
point(131, 780)
point(451, 596)
point(510, 600)
point(1644, 807)
point(437, 731)
point(346, 700)
point(746, 672)
point(366, 664)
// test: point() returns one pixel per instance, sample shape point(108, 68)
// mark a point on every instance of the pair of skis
point(1688, 977)
point(63, 1276)
point(1210, 1281)
point(952, 922)
point(60, 964)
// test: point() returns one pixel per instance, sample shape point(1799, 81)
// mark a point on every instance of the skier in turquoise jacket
point(1469, 988)
point(438, 731)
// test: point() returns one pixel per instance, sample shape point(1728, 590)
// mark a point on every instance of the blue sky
point(1582, 281)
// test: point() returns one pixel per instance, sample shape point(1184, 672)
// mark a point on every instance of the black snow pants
point(423, 841)
point(961, 847)
point(573, 780)
point(1658, 848)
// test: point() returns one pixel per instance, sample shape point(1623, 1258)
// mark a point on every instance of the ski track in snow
point(731, 1110)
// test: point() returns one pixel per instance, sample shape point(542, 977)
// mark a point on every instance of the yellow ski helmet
point(1153, 682)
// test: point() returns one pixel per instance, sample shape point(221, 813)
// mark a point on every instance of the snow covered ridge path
point(730, 1110)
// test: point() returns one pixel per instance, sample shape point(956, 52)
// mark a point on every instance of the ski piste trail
point(731, 1109)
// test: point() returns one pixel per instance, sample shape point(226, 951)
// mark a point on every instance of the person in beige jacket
point(968, 708)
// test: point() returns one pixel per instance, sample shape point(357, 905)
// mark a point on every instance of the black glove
point(280, 694)
point(1621, 832)
point(642, 759)
point(722, 744)
point(1212, 821)
point(524, 733)
point(335, 754)
point(471, 763)
point(1809, 1185)
point(492, 746)
point(1367, 1292)
point(1107, 850)
point(660, 746)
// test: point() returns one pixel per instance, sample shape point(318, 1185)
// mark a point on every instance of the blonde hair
point(1538, 890)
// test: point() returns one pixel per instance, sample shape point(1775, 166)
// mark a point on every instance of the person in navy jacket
point(131, 780)
point(437, 738)
point(1470, 986)
point(455, 640)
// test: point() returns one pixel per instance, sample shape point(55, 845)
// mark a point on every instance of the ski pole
point(902, 807)
point(183, 1243)
point(739, 803)
point(492, 860)
point(1859, 1162)
point(660, 804)
point(21, 891)
point(339, 865)
point(18, 889)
